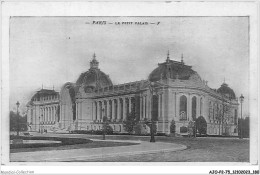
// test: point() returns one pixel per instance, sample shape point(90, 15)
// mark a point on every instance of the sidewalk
point(92, 154)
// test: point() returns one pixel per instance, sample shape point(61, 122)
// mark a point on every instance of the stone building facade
point(42, 110)
point(172, 92)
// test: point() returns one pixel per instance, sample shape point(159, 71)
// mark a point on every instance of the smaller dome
point(227, 91)
point(42, 93)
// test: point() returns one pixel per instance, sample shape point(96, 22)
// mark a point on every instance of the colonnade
point(48, 113)
point(115, 109)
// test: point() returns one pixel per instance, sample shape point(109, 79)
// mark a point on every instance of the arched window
point(183, 108)
point(210, 110)
point(194, 108)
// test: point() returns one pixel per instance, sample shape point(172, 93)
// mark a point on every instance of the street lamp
point(241, 102)
point(17, 104)
point(151, 87)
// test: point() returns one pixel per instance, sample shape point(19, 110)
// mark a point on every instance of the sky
point(51, 51)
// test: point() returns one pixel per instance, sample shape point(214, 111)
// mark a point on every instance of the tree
point(223, 113)
point(201, 125)
point(172, 127)
point(245, 127)
point(106, 128)
point(130, 122)
point(190, 128)
point(14, 124)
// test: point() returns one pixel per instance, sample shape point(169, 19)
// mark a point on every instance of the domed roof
point(227, 91)
point(94, 77)
point(42, 93)
point(173, 69)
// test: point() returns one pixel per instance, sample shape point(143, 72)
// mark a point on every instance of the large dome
point(94, 77)
point(227, 91)
point(173, 69)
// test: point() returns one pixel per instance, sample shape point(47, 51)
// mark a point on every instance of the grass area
point(64, 141)
point(67, 143)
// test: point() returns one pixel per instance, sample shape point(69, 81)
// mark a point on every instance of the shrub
point(172, 127)
point(201, 125)
point(130, 122)
point(183, 129)
point(108, 129)
point(139, 129)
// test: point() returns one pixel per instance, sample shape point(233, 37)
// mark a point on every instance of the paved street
point(86, 154)
point(166, 149)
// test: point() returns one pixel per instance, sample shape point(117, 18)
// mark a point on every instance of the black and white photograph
point(130, 88)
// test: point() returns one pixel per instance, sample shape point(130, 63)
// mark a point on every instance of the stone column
point(189, 107)
point(163, 111)
point(129, 100)
point(108, 111)
point(141, 106)
point(113, 109)
point(51, 113)
point(76, 110)
point(45, 114)
point(54, 113)
point(118, 109)
point(124, 108)
point(92, 110)
point(198, 107)
point(178, 107)
point(50, 118)
point(159, 107)
point(144, 107)
point(79, 112)
point(42, 114)
point(47, 118)
point(102, 112)
point(147, 102)
point(60, 113)
point(95, 110)
point(64, 115)
point(201, 106)
point(98, 110)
